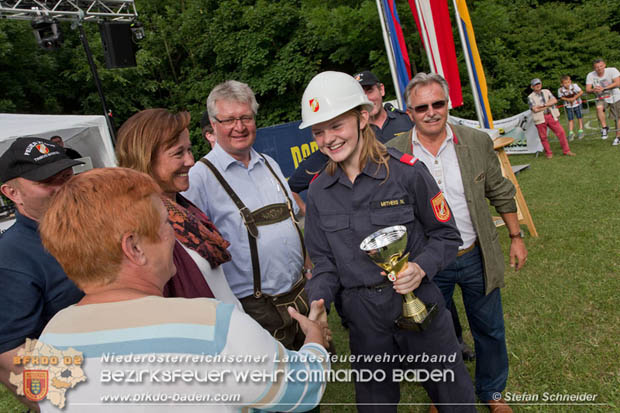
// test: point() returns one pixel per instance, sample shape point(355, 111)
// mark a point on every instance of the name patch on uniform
point(386, 203)
point(440, 207)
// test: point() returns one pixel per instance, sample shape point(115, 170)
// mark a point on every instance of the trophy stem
point(386, 248)
point(414, 308)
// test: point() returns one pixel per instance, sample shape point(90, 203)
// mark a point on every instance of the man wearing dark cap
point(386, 121)
point(389, 122)
point(545, 115)
point(33, 286)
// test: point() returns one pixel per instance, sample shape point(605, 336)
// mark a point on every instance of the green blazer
point(482, 180)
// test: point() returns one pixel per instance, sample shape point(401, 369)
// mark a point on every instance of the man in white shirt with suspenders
point(248, 199)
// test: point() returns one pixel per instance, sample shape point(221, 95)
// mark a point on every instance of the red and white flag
point(435, 30)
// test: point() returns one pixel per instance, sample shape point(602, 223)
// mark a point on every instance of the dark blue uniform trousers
point(486, 320)
point(370, 313)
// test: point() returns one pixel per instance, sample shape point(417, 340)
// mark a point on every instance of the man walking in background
point(604, 82)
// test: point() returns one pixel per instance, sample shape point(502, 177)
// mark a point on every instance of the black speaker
point(118, 46)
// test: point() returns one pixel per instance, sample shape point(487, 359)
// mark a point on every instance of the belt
point(379, 286)
point(466, 250)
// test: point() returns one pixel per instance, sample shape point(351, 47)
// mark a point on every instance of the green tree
point(277, 46)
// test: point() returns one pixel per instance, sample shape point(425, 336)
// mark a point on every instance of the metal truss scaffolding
point(72, 10)
point(48, 12)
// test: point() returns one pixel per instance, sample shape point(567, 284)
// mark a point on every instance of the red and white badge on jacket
point(440, 207)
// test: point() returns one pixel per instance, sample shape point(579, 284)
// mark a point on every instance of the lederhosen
point(270, 311)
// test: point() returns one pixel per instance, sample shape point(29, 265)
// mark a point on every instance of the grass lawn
point(561, 310)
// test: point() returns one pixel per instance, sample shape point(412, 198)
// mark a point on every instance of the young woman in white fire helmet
point(364, 188)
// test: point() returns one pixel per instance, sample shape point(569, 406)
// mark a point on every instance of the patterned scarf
point(196, 231)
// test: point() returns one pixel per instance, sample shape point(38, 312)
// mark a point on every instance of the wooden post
point(523, 211)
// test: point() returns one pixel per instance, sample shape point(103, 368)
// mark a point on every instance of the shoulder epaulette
point(391, 108)
point(408, 159)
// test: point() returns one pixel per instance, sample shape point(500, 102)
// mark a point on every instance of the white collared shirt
point(445, 170)
point(279, 248)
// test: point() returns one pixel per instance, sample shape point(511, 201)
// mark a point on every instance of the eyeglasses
point(440, 104)
point(246, 120)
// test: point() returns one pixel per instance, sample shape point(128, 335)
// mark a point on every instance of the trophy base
point(407, 323)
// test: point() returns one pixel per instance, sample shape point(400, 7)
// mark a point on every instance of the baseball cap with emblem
point(366, 78)
point(535, 82)
point(35, 159)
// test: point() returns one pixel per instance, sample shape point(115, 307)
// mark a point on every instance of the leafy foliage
point(520, 40)
point(276, 46)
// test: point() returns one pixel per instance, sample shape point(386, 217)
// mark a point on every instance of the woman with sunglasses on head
point(364, 188)
point(156, 142)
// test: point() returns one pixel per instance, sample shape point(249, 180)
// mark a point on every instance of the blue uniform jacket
point(397, 123)
point(340, 214)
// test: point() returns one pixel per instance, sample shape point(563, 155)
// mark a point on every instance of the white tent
point(88, 135)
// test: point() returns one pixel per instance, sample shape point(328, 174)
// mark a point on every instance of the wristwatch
point(517, 235)
point(307, 271)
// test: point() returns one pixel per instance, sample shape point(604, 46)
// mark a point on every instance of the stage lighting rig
point(44, 16)
point(46, 32)
point(137, 31)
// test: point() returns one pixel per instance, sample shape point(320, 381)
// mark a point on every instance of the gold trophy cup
point(385, 248)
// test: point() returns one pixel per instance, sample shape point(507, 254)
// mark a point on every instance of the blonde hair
point(144, 134)
point(372, 150)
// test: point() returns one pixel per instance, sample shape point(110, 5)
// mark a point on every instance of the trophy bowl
point(386, 248)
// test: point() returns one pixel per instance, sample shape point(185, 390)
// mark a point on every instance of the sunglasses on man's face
point(440, 104)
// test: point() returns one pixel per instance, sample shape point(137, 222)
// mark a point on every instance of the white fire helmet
point(330, 94)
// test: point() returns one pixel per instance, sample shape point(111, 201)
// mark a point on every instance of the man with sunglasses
point(33, 286)
point(248, 199)
point(465, 167)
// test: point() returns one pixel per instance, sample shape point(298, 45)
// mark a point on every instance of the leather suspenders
point(269, 214)
point(289, 204)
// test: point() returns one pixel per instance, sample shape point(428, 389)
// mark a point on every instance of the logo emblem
point(314, 105)
point(440, 207)
point(48, 372)
point(42, 148)
point(35, 384)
